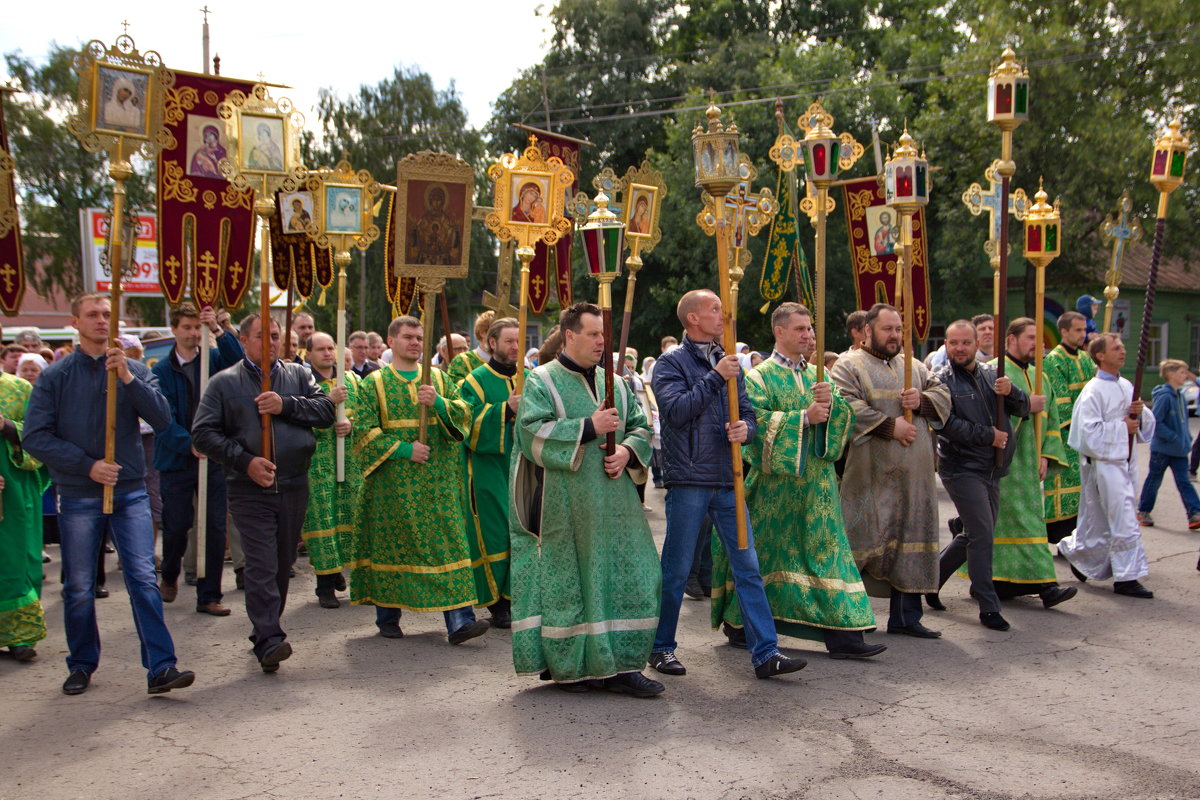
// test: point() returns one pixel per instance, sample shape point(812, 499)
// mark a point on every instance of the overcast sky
point(477, 44)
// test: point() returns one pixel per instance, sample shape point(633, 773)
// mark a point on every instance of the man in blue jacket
point(64, 428)
point(176, 461)
point(690, 384)
point(1170, 446)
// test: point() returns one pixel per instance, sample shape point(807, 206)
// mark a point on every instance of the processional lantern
point(602, 239)
point(1043, 241)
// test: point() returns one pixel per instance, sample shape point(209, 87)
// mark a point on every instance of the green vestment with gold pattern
point(1066, 375)
point(807, 565)
point(22, 621)
point(411, 547)
point(329, 522)
point(585, 573)
point(1020, 553)
point(489, 453)
point(463, 365)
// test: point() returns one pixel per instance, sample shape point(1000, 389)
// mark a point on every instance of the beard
point(889, 347)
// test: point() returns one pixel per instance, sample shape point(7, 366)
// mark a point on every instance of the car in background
point(1191, 394)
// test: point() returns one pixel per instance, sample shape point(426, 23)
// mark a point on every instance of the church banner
point(400, 290)
point(874, 236)
point(12, 271)
point(558, 254)
point(206, 229)
point(784, 252)
point(295, 258)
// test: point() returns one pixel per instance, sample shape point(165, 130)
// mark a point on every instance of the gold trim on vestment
point(418, 569)
point(601, 628)
point(813, 582)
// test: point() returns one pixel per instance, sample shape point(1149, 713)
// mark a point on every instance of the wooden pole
point(739, 487)
point(120, 170)
point(202, 465)
point(1038, 347)
point(905, 265)
point(264, 207)
point(342, 259)
point(526, 255)
point(610, 438)
point(445, 308)
point(429, 288)
point(1160, 225)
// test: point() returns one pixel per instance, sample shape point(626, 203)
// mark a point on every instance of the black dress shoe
point(634, 683)
point(667, 663)
point(955, 525)
point(170, 678)
point(934, 602)
point(469, 631)
point(916, 629)
point(101, 593)
point(1132, 589)
point(501, 612)
point(339, 582)
point(22, 653)
point(736, 636)
point(77, 682)
point(275, 655)
point(858, 650)
point(575, 687)
point(779, 664)
point(391, 630)
point(1054, 595)
point(993, 620)
point(328, 601)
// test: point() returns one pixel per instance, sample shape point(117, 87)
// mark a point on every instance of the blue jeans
point(1159, 463)
point(455, 618)
point(686, 505)
point(81, 526)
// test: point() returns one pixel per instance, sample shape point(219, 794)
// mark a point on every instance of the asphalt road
point(1096, 698)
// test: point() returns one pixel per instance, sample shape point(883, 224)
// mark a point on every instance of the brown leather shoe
point(169, 591)
point(216, 609)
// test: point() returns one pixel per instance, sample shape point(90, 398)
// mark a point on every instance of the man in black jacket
point(267, 496)
point(690, 384)
point(967, 445)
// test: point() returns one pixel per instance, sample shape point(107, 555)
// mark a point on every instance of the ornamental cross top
point(978, 201)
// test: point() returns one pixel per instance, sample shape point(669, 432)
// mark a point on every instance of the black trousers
point(976, 497)
point(179, 516)
point(904, 609)
point(270, 527)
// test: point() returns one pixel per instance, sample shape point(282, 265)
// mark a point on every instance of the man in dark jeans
point(967, 445)
point(176, 460)
point(64, 428)
point(267, 496)
point(690, 384)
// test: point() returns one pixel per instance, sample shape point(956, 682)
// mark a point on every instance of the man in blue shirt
point(64, 428)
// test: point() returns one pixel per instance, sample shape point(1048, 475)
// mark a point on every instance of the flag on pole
point(784, 252)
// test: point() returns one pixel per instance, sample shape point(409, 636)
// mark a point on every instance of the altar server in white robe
point(1107, 542)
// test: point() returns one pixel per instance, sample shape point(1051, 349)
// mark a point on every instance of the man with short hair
point(375, 346)
point(814, 588)
point(690, 383)
point(666, 343)
point(489, 391)
point(10, 357)
point(30, 339)
point(65, 430)
point(267, 495)
point(468, 361)
point(1022, 564)
point(856, 328)
point(585, 573)
point(303, 327)
point(1066, 370)
point(178, 463)
point(985, 337)
point(967, 445)
point(360, 351)
point(412, 550)
point(458, 346)
point(889, 498)
point(1107, 543)
point(332, 505)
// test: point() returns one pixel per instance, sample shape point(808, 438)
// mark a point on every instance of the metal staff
point(1043, 241)
point(1117, 231)
point(602, 238)
point(429, 288)
point(1007, 108)
point(1166, 174)
point(120, 170)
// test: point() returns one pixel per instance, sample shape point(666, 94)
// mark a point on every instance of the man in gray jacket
point(268, 492)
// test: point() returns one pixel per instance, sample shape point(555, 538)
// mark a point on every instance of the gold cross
point(8, 271)
point(236, 269)
point(206, 12)
point(173, 268)
point(204, 273)
point(537, 285)
point(125, 25)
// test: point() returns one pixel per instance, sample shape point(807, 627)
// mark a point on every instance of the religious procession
point(504, 472)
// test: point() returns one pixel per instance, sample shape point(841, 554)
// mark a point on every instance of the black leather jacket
point(965, 440)
point(226, 427)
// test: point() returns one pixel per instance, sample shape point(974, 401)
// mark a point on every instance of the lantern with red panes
point(1043, 229)
point(1170, 158)
point(1008, 93)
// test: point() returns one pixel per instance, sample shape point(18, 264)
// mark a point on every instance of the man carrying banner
point(489, 391)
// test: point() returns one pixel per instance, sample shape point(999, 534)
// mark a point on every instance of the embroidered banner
point(784, 252)
point(206, 229)
point(400, 291)
point(568, 151)
point(12, 271)
point(874, 234)
point(295, 257)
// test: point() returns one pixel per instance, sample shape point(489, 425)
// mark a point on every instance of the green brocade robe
point(328, 531)
point(489, 453)
point(807, 565)
point(411, 547)
point(1019, 550)
point(463, 365)
point(1067, 375)
point(585, 574)
point(22, 620)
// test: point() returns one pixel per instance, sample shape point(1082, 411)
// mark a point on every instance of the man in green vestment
point(812, 583)
point(22, 480)
point(467, 362)
point(1021, 562)
point(1066, 370)
point(412, 549)
point(585, 574)
point(328, 530)
point(490, 392)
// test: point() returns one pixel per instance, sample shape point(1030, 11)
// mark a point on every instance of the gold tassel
point(321, 299)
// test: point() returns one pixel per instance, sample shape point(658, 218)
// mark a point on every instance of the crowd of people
point(506, 493)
